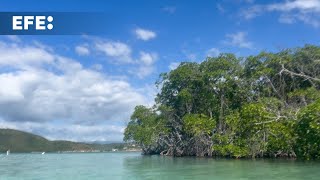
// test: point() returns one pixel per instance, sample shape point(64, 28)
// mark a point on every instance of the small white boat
point(8, 152)
point(43, 152)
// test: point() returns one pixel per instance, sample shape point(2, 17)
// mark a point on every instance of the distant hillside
point(19, 141)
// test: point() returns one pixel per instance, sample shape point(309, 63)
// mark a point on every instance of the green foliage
point(144, 127)
point(231, 150)
point(197, 124)
point(19, 141)
point(308, 132)
point(258, 106)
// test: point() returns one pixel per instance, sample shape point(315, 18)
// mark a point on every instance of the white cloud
point(303, 5)
point(72, 132)
point(169, 9)
point(144, 71)
point(307, 11)
point(239, 40)
point(23, 56)
point(252, 12)
point(220, 8)
point(121, 52)
point(148, 58)
point(145, 34)
point(62, 90)
point(191, 56)
point(97, 67)
point(173, 65)
point(213, 52)
point(82, 50)
point(287, 19)
point(248, 1)
point(81, 95)
point(13, 38)
point(142, 64)
point(146, 64)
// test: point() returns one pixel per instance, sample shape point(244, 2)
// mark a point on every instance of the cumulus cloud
point(43, 87)
point(213, 52)
point(146, 64)
point(307, 11)
point(83, 96)
point(23, 56)
point(82, 50)
point(147, 58)
point(304, 5)
point(145, 34)
point(121, 52)
point(239, 40)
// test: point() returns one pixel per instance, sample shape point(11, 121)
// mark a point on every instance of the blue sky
point(84, 87)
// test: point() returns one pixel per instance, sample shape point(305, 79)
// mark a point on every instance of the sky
point(84, 87)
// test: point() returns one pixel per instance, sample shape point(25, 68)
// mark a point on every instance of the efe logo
point(38, 22)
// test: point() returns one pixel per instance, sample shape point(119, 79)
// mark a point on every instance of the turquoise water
point(132, 165)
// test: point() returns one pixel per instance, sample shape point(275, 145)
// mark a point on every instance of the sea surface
point(132, 165)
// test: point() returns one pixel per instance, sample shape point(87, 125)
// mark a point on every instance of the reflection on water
point(134, 166)
point(203, 168)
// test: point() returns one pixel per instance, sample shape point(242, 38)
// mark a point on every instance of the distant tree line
point(266, 105)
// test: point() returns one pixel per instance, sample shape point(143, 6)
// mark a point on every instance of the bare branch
point(298, 74)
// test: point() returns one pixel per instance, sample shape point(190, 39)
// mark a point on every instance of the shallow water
point(130, 165)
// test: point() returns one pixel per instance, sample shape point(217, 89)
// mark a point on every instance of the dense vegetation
point(18, 141)
point(266, 105)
